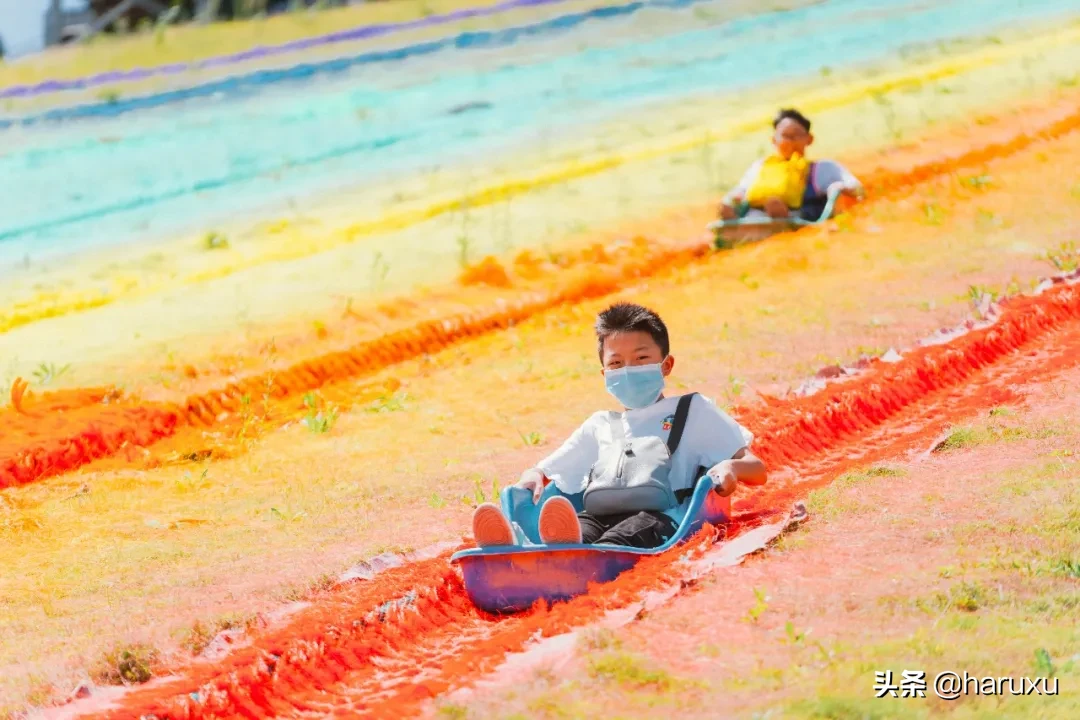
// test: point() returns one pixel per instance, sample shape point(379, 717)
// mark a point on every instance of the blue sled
point(511, 578)
point(740, 231)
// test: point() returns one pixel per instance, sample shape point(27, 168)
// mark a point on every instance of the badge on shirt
point(667, 422)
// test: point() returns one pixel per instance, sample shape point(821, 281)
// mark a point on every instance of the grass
point(971, 436)
point(835, 501)
point(375, 465)
point(202, 633)
point(127, 665)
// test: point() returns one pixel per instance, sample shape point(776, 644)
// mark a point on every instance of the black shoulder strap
point(677, 427)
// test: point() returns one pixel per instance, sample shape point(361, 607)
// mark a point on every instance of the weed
point(977, 182)
point(109, 97)
point(463, 243)
point(761, 604)
point(749, 282)
point(320, 422)
point(436, 502)
point(627, 670)
point(1001, 412)
point(188, 484)
point(981, 298)
point(885, 471)
point(479, 496)
point(47, 372)
point(889, 113)
point(793, 637)
point(388, 403)
point(1044, 666)
point(287, 515)
point(130, 665)
point(967, 597)
point(1068, 567)
point(532, 438)
point(215, 241)
point(379, 270)
point(201, 634)
point(933, 213)
point(453, 711)
point(1065, 259)
point(600, 639)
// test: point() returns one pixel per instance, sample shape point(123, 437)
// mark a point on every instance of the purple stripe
point(358, 33)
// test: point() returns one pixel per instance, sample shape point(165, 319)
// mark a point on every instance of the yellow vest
point(785, 179)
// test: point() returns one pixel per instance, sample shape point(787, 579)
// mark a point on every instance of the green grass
point(834, 501)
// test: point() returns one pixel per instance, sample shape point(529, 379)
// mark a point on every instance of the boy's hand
point(532, 479)
point(727, 212)
point(723, 476)
point(776, 208)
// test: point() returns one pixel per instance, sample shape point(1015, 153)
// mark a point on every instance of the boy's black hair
point(791, 114)
point(628, 317)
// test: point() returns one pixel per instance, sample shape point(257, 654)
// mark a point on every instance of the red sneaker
point(558, 523)
point(490, 527)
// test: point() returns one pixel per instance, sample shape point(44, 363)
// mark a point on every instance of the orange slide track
point(383, 648)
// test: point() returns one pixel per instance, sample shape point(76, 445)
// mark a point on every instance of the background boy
point(791, 137)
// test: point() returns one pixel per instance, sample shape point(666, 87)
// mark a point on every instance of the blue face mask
point(635, 386)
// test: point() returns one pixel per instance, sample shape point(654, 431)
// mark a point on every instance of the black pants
point(646, 529)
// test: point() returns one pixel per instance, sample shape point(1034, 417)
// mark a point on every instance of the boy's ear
point(810, 139)
point(667, 365)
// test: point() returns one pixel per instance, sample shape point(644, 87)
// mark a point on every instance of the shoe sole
point(490, 527)
point(558, 523)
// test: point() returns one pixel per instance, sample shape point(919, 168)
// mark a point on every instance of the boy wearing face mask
point(786, 182)
point(635, 357)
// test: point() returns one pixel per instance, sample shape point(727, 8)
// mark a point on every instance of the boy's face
point(634, 348)
point(790, 137)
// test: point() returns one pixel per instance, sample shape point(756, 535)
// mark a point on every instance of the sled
point(742, 230)
point(511, 578)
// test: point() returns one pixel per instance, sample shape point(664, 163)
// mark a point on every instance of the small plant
point(187, 483)
point(532, 438)
point(320, 422)
point(379, 270)
point(761, 604)
point(436, 502)
point(47, 372)
point(734, 389)
point(933, 213)
point(793, 637)
point(1044, 666)
point(1066, 258)
point(215, 241)
point(981, 298)
point(388, 403)
point(968, 597)
point(889, 114)
point(109, 97)
point(126, 666)
point(627, 670)
point(463, 243)
point(977, 182)
point(1068, 567)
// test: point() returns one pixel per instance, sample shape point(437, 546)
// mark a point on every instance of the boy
point(760, 192)
point(635, 358)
